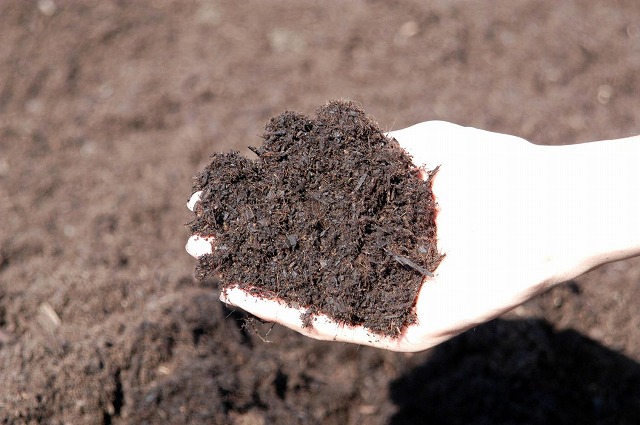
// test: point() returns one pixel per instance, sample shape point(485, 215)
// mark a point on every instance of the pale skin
point(513, 220)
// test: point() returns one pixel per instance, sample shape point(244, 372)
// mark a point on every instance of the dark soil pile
point(108, 107)
point(333, 217)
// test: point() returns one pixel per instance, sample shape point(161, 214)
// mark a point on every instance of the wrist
point(593, 193)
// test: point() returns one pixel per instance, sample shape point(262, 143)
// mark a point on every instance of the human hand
point(492, 225)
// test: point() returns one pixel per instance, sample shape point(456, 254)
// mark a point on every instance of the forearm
point(596, 192)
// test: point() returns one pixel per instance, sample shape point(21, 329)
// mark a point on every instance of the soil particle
point(332, 217)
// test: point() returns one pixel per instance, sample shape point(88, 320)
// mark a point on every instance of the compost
point(332, 217)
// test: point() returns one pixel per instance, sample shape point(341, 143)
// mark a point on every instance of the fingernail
point(194, 200)
point(223, 297)
point(198, 246)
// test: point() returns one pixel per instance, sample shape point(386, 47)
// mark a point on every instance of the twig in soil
point(251, 322)
point(409, 263)
point(360, 182)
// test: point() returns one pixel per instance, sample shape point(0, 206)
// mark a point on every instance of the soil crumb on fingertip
point(332, 217)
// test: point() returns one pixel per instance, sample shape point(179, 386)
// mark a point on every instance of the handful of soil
point(332, 217)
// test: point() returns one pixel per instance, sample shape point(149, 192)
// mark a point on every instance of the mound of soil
point(332, 217)
point(107, 108)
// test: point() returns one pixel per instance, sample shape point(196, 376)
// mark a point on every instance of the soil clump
point(332, 217)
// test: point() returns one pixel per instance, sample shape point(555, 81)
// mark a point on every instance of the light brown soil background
point(107, 109)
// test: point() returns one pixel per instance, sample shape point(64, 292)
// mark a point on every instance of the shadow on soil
point(520, 372)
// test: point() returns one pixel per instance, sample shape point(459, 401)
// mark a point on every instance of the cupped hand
point(492, 226)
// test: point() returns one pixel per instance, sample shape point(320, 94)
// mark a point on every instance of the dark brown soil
point(108, 107)
point(332, 217)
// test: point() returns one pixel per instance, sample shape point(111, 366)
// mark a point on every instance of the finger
point(197, 245)
point(270, 310)
point(421, 141)
point(322, 327)
point(191, 204)
point(331, 330)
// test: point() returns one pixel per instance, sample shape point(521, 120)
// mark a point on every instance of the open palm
point(491, 225)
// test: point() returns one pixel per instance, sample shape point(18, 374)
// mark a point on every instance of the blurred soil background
point(107, 110)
